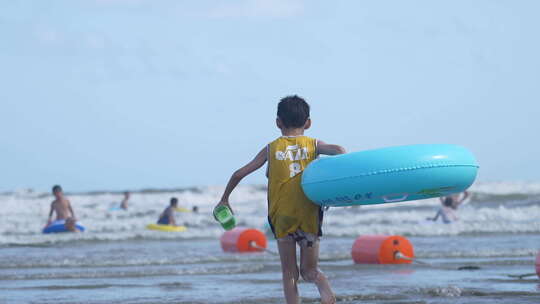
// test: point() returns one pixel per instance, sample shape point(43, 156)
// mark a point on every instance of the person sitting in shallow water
point(449, 205)
point(167, 216)
point(61, 206)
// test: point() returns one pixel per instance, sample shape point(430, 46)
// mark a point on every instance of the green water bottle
point(225, 217)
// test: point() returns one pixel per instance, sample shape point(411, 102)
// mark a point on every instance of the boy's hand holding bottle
point(224, 215)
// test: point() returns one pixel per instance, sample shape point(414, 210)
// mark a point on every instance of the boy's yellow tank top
point(289, 209)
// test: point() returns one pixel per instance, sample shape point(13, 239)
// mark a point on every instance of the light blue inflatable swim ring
point(388, 175)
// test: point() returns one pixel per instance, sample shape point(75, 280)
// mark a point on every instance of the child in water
point(61, 206)
point(167, 216)
point(449, 204)
point(293, 218)
point(124, 203)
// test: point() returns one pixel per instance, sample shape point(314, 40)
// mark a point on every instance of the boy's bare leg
point(289, 268)
point(309, 259)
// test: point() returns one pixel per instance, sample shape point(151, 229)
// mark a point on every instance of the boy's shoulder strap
point(273, 142)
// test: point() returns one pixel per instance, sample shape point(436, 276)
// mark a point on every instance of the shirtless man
point(61, 206)
point(167, 216)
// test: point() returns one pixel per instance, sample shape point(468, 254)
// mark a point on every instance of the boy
point(124, 203)
point(292, 217)
point(167, 216)
point(61, 206)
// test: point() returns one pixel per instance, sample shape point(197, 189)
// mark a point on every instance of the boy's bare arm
point(463, 198)
point(71, 210)
point(466, 194)
point(49, 220)
point(326, 149)
point(239, 174)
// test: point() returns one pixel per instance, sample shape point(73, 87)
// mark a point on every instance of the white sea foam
point(505, 188)
point(25, 213)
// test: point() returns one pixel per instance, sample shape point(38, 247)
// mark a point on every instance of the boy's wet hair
point(293, 111)
point(174, 200)
point(56, 188)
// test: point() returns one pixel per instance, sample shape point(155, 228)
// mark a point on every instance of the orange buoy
point(382, 249)
point(243, 240)
point(538, 264)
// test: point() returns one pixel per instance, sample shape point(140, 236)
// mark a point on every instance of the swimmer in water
point(124, 203)
point(167, 216)
point(449, 205)
point(61, 206)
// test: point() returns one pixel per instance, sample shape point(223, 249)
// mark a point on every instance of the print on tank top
point(293, 153)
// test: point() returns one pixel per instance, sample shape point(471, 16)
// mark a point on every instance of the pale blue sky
point(128, 94)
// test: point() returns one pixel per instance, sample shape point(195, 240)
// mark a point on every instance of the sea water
point(117, 260)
